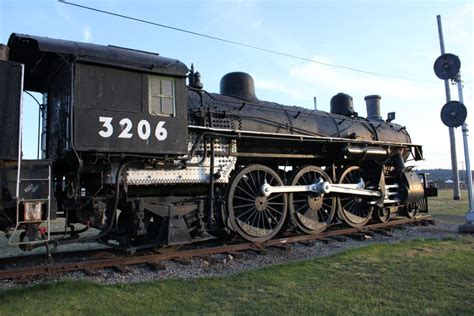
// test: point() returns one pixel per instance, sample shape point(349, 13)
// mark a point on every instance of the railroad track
point(121, 260)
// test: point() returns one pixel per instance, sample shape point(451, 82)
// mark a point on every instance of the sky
point(396, 38)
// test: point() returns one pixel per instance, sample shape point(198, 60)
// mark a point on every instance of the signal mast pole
point(469, 226)
point(452, 138)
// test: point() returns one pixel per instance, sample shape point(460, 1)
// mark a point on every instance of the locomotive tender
point(132, 149)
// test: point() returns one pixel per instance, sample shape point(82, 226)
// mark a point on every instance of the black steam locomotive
point(133, 147)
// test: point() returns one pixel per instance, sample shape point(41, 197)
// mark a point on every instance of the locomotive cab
point(97, 101)
point(104, 98)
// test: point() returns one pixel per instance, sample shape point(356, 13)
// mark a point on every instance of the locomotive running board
point(322, 187)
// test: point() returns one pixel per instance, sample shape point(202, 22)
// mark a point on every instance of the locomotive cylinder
point(372, 103)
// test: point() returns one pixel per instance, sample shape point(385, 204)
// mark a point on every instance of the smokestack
point(4, 52)
point(373, 107)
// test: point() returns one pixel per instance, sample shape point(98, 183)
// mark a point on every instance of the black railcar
point(131, 149)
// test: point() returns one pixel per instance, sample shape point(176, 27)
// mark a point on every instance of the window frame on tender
point(152, 93)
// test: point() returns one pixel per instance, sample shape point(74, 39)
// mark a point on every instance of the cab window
point(161, 96)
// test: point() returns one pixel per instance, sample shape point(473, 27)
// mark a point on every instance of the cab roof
point(43, 55)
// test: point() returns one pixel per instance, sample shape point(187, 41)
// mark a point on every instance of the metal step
point(33, 199)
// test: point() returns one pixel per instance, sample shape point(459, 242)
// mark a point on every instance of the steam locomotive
point(133, 147)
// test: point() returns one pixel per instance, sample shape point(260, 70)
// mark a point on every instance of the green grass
point(422, 277)
point(445, 209)
point(426, 277)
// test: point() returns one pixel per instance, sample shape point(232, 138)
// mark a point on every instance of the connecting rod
point(322, 187)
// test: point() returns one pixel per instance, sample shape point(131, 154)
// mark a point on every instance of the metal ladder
point(25, 193)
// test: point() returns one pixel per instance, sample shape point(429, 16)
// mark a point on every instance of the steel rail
point(52, 269)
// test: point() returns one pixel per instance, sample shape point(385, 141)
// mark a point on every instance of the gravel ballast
point(228, 264)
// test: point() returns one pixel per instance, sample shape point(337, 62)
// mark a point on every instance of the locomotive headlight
point(33, 211)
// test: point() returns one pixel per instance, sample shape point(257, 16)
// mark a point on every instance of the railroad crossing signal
point(447, 66)
point(453, 114)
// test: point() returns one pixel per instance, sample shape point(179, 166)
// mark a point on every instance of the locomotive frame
point(131, 150)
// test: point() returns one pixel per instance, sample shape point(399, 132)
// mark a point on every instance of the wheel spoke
point(256, 213)
point(271, 215)
point(300, 208)
point(322, 215)
point(275, 210)
point(300, 201)
point(327, 205)
point(349, 204)
point(246, 192)
point(274, 197)
point(244, 199)
point(244, 205)
point(306, 178)
point(252, 189)
point(276, 203)
point(241, 216)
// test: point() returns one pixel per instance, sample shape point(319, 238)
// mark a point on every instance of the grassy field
point(445, 209)
point(425, 277)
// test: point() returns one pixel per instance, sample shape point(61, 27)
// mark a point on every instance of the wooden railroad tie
point(121, 269)
point(383, 232)
point(236, 254)
point(400, 227)
point(359, 236)
point(156, 266)
point(285, 248)
point(92, 272)
point(327, 240)
point(339, 238)
point(258, 251)
point(209, 259)
point(310, 243)
point(183, 261)
point(369, 233)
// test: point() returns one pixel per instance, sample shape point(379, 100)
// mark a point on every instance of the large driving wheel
point(254, 216)
point(354, 210)
point(310, 212)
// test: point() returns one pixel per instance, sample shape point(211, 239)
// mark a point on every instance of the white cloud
point(86, 34)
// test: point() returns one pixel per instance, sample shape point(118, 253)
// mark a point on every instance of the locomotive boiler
point(134, 147)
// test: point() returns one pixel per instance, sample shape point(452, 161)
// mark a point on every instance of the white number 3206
point(143, 129)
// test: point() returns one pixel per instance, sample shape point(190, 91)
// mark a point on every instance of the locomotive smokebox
point(341, 104)
point(4, 52)
point(239, 85)
point(373, 107)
